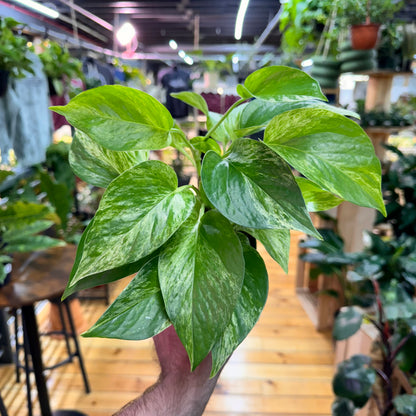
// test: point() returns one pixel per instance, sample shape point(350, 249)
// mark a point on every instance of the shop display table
point(39, 276)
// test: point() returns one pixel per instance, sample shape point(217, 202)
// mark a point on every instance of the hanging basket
point(4, 78)
point(364, 36)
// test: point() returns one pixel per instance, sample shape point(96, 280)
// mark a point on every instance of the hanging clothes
point(176, 80)
point(25, 120)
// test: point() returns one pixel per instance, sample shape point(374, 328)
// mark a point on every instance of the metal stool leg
point(27, 374)
point(77, 349)
point(17, 345)
point(64, 331)
point(3, 411)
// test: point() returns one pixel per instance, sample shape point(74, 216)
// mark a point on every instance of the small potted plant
point(365, 18)
point(59, 66)
point(195, 267)
point(13, 59)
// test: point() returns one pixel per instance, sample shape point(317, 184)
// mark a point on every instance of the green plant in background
point(20, 225)
point(378, 11)
point(399, 191)
point(59, 66)
point(195, 267)
point(302, 23)
point(383, 376)
point(398, 116)
point(13, 49)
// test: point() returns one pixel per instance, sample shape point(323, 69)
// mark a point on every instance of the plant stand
point(319, 306)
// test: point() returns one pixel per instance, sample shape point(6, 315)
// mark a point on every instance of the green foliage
point(354, 380)
point(59, 65)
point(379, 11)
point(20, 223)
point(302, 23)
point(399, 191)
point(13, 49)
point(186, 241)
point(398, 116)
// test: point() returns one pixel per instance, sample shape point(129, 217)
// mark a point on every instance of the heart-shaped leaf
point(330, 150)
point(138, 312)
point(239, 188)
point(354, 380)
point(260, 112)
point(248, 309)
point(119, 118)
point(101, 277)
point(281, 83)
point(347, 322)
point(342, 407)
point(316, 199)
point(405, 404)
point(276, 243)
point(139, 212)
point(201, 273)
point(193, 99)
point(97, 165)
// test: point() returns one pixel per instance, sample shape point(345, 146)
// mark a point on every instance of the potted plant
point(20, 223)
point(387, 376)
point(189, 247)
point(13, 59)
point(59, 66)
point(365, 18)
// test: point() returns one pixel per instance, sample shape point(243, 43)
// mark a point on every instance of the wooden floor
point(284, 367)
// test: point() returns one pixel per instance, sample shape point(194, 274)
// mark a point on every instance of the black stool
point(3, 411)
point(68, 334)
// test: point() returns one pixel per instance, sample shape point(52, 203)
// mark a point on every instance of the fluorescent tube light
point(40, 8)
point(188, 60)
point(182, 54)
point(173, 44)
point(240, 19)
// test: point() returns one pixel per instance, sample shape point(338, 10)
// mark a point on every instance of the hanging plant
point(13, 53)
point(59, 66)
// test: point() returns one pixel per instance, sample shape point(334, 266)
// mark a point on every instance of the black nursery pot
point(4, 79)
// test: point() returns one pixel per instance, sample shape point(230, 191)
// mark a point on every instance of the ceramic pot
point(364, 36)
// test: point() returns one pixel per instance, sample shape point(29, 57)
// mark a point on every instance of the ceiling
point(194, 24)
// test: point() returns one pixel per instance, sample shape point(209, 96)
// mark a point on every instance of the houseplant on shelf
point(196, 270)
point(365, 18)
point(13, 59)
point(387, 377)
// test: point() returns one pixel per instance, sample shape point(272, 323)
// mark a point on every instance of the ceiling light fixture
point(126, 34)
point(182, 54)
point(173, 44)
point(240, 19)
point(40, 8)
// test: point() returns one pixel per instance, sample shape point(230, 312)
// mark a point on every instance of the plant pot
point(364, 36)
point(4, 79)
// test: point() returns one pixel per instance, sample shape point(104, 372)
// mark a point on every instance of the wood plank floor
point(284, 367)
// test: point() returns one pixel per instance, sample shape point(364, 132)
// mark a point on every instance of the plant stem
point(400, 345)
point(212, 129)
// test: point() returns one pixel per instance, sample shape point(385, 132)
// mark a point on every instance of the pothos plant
point(189, 247)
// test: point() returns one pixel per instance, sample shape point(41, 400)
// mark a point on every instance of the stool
point(67, 333)
point(3, 411)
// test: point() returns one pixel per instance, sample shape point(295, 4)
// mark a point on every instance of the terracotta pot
point(364, 36)
point(4, 78)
